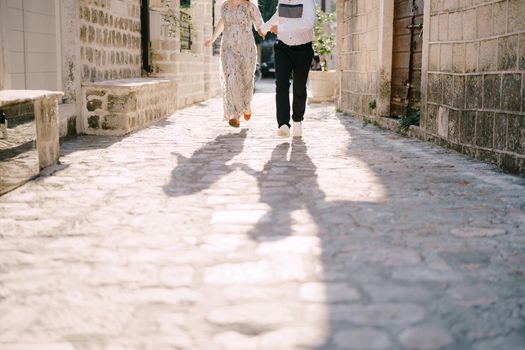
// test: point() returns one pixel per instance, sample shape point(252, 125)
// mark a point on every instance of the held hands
point(273, 29)
point(207, 43)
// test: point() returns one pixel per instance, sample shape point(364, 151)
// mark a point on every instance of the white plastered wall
point(32, 44)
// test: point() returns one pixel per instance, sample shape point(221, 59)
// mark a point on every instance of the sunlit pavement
point(193, 235)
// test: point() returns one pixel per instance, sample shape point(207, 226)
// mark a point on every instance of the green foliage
point(411, 118)
point(267, 8)
point(324, 37)
point(372, 104)
point(367, 121)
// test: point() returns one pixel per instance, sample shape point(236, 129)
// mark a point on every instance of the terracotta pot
point(322, 83)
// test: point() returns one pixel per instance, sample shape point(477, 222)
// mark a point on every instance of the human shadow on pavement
point(283, 200)
point(389, 264)
point(389, 272)
point(205, 166)
point(288, 183)
point(305, 193)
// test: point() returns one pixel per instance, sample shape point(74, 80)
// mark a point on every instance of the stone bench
point(118, 107)
point(29, 141)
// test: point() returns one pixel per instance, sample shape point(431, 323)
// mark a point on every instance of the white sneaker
point(297, 129)
point(284, 131)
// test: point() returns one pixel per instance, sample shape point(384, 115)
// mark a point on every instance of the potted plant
point(322, 82)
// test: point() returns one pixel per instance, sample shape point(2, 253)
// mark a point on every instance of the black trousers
point(289, 60)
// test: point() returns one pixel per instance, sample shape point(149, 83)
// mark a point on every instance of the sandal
point(234, 123)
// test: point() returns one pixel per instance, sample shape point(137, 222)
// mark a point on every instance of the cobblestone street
point(193, 235)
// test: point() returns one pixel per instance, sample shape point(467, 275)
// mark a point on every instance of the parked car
point(258, 74)
point(267, 58)
point(268, 67)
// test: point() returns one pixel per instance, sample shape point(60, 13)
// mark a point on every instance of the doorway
point(407, 56)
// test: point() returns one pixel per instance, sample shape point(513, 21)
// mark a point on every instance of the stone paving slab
point(193, 235)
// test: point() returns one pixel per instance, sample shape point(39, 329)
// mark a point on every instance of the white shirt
point(295, 20)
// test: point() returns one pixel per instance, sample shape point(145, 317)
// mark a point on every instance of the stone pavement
point(193, 235)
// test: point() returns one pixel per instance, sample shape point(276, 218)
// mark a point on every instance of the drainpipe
point(3, 125)
point(411, 26)
point(144, 35)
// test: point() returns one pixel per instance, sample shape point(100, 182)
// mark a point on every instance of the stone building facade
point(110, 39)
point(103, 67)
point(464, 71)
point(364, 71)
point(196, 66)
point(97, 45)
point(475, 99)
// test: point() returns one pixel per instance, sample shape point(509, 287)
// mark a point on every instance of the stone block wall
point(358, 55)
point(196, 70)
point(31, 140)
point(110, 39)
point(119, 107)
point(364, 67)
point(47, 130)
point(474, 79)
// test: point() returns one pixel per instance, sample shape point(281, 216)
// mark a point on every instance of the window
point(185, 31)
point(216, 44)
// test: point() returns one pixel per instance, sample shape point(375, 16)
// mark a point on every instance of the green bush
point(411, 118)
point(324, 38)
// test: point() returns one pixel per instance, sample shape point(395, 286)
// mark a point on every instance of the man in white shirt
point(293, 22)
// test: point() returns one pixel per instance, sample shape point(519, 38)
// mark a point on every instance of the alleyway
point(193, 235)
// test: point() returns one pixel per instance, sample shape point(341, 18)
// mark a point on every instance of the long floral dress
point(238, 55)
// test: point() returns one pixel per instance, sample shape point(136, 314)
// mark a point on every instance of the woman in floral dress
point(238, 56)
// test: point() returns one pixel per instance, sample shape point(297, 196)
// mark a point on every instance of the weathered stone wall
point(31, 119)
point(47, 130)
point(364, 56)
point(110, 39)
point(474, 73)
point(196, 70)
point(358, 55)
point(119, 107)
point(3, 63)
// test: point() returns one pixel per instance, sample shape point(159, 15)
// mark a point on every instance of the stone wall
point(110, 39)
point(47, 130)
point(472, 72)
point(364, 49)
point(119, 107)
point(474, 79)
point(196, 70)
point(31, 120)
point(3, 61)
